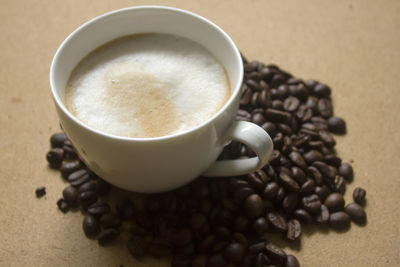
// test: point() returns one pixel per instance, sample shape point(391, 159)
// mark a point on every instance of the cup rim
point(228, 103)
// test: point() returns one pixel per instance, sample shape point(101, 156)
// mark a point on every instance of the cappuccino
point(147, 85)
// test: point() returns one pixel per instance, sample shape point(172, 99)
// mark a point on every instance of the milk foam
point(147, 85)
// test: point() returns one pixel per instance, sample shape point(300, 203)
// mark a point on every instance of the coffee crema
point(147, 85)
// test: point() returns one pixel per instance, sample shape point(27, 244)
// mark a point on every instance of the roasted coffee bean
point(325, 169)
point(275, 115)
point(286, 130)
point(253, 206)
point(337, 125)
point(88, 186)
point(253, 85)
point(304, 114)
point(301, 140)
point(359, 195)
point(63, 205)
point(327, 138)
point(356, 213)
point(79, 177)
point(333, 160)
point(288, 182)
point(292, 261)
point(90, 226)
point(57, 140)
point(316, 175)
point(222, 232)
point(334, 202)
point(197, 221)
point(87, 198)
point(138, 246)
point(313, 155)
point(270, 128)
point(69, 151)
point(325, 108)
point(260, 260)
point(277, 104)
point(299, 91)
point(243, 115)
point(291, 104)
point(312, 203)
point(106, 236)
point(277, 221)
point(243, 193)
point(260, 225)
point(303, 216)
point(298, 174)
point(270, 191)
point(70, 195)
point(312, 104)
point(290, 202)
point(257, 180)
point(99, 208)
point(298, 160)
point(277, 80)
point(308, 187)
point(258, 118)
point(323, 217)
point(69, 167)
point(322, 191)
point(346, 170)
point(40, 191)
point(280, 195)
point(254, 98)
point(55, 157)
point(239, 237)
point(126, 208)
point(219, 246)
point(339, 184)
point(216, 260)
point(294, 230)
point(234, 252)
point(275, 158)
point(240, 223)
point(181, 237)
point(276, 254)
point(321, 90)
point(160, 248)
point(246, 96)
point(339, 220)
point(102, 187)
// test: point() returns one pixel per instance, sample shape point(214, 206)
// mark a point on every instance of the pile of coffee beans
point(226, 221)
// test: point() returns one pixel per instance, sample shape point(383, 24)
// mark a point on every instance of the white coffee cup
point(150, 165)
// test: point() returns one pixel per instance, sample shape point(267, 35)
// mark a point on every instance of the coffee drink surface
point(147, 85)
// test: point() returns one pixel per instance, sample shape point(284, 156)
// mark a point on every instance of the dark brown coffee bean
point(197, 221)
point(266, 74)
point(303, 216)
point(246, 96)
point(337, 125)
point(160, 248)
point(327, 138)
point(318, 145)
point(70, 195)
point(222, 232)
point(321, 90)
point(216, 260)
point(276, 254)
point(253, 206)
point(288, 182)
point(257, 247)
point(240, 223)
point(304, 114)
point(299, 91)
point(325, 169)
point(277, 221)
point(356, 213)
point(277, 104)
point(87, 198)
point(138, 246)
point(339, 184)
point(102, 187)
point(308, 187)
point(181, 237)
point(69, 167)
point(359, 195)
point(286, 130)
point(88, 186)
point(55, 157)
point(311, 203)
point(323, 217)
point(339, 220)
point(294, 230)
point(90, 226)
point(346, 170)
point(57, 140)
point(253, 85)
point(257, 180)
point(126, 208)
point(258, 118)
point(277, 80)
point(270, 191)
point(333, 160)
point(254, 98)
point(322, 191)
point(270, 128)
point(260, 260)
point(301, 140)
point(63, 205)
point(292, 261)
point(313, 155)
point(310, 84)
point(280, 195)
point(291, 103)
point(234, 252)
point(275, 115)
point(79, 177)
point(290, 202)
point(334, 202)
point(40, 191)
point(316, 175)
point(260, 225)
point(299, 175)
point(325, 108)
point(98, 209)
point(243, 193)
point(298, 160)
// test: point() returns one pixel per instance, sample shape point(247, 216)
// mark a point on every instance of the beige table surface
point(354, 46)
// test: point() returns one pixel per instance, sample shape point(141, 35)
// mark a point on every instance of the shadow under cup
point(147, 164)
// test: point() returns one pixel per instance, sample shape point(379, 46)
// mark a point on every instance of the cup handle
point(256, 138)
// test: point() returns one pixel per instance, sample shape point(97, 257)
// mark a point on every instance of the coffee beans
point(224, 222)
point(40, 191)
point(356, 213)
point(359, 195)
